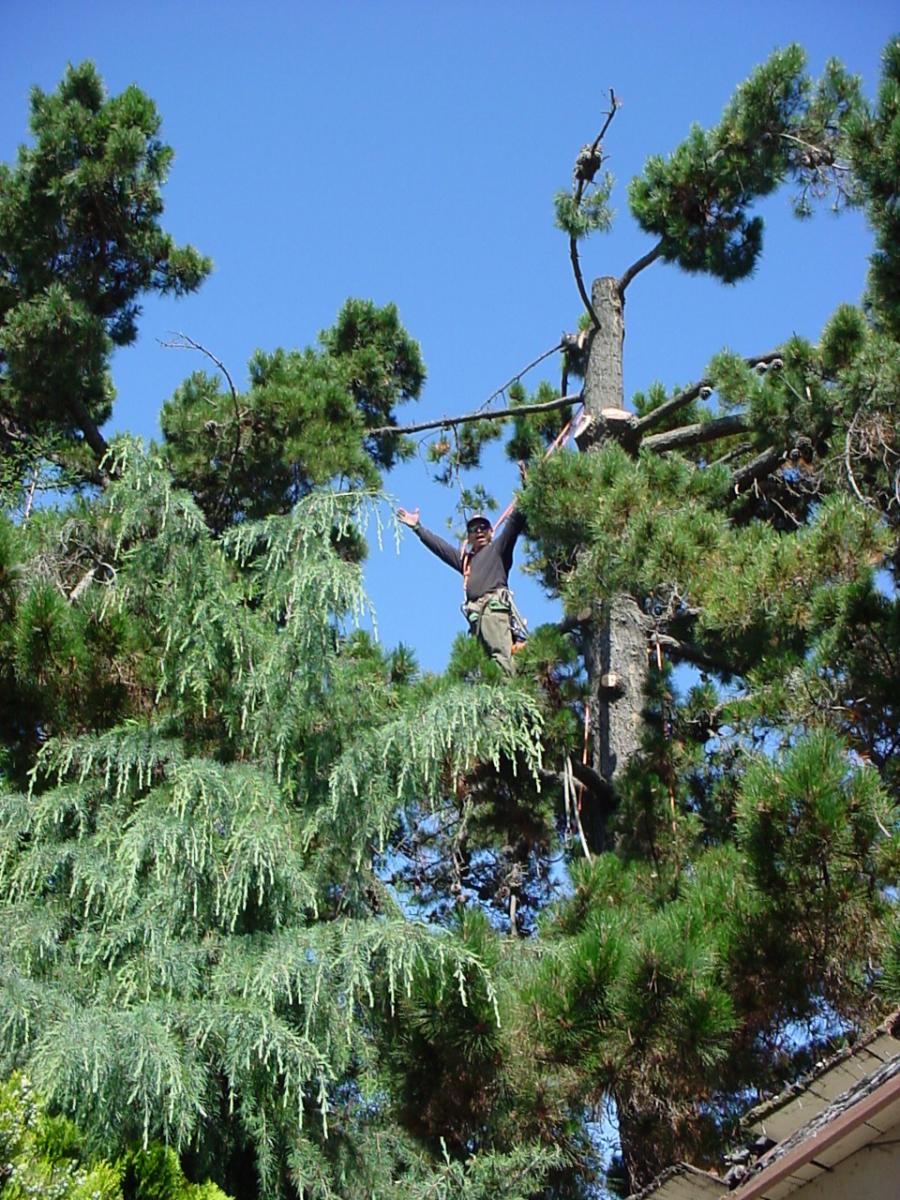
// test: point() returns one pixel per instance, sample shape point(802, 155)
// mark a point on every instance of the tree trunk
point(618, 667)
point(603, 386)
point(616, 658)
point(618, 672)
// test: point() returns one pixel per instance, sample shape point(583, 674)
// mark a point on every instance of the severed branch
point(499, 414)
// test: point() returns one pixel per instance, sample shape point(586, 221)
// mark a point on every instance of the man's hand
point(408, 518)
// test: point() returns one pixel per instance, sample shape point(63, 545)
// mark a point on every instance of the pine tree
point(302, 422)
point(740, 815)
point(80, 242)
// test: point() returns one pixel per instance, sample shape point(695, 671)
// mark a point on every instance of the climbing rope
point(558, 441)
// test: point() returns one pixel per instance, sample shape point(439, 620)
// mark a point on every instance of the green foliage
point(857, 632)
point(581, 217)
point(260, 879)
point(810, 826)
point(65, 663)
point(42, 1155)
point(302, 422)
point(80, 242)
point(533, 433)
point(656, 395)
point(188, 897)
point(697, 201)
point(890, 980)
point(457, 449)
point(747, 891)
point(873, 137)
point(655, 527)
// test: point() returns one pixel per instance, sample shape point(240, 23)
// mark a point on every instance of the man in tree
point(484, 564)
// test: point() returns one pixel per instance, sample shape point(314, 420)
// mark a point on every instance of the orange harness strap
point(466, 569)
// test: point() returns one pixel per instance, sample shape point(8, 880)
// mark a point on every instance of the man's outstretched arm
point(509, 533)
point(444, 551)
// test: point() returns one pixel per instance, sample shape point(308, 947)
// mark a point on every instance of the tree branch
point(576, 622)
point(689, 652)
point(181, 341)
point(560, 345)
point(579, 281)
point(732, 454)
point(764, 464)
point(578, 194)
point(694, 435)
point(682, 399)
point(636, 267)
point(500, 414)
point(88, 427)
point(599, 788)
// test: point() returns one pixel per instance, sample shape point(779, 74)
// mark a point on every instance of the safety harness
point(501, 599)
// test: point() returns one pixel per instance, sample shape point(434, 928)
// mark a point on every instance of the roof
point(798, 1104)
point(683, 1182)
point(846, 1102)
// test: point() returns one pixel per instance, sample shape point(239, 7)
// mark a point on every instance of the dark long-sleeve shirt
point(489, 568)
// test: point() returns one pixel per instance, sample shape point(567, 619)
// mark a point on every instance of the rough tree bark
point(616, 657)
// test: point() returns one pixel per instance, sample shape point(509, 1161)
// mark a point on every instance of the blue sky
point(409, 152)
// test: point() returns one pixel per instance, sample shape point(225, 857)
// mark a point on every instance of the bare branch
point(29, 499)
point(515, 379)
point(574, 805)
point(694, 435)
point(850, 475)
point(82, 585)
point(688, 652)
point(500, 414)
point(764, 464)
point(599, 787)
point(181, 341)
point(636, 267)
point(88, 578)
point(733, 453)
point(578, 194)
point(682, 399)
point(579, 282)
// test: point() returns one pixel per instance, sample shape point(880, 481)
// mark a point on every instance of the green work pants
point(489, 620)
